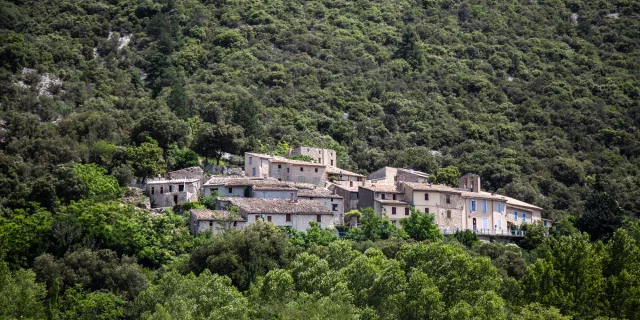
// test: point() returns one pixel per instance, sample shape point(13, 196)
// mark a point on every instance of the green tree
point(410, 48)
point(602, 216)
point(466, 237)
point(534, 235)
point(213, 140)
point(77, 304)
point(146, 159)
point(447, 176)
point(22, 296)
point(100, 185)
point(421, 226)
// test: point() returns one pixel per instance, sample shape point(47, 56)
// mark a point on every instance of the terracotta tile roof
point(176, 181)
point(206, 214)
point(521, 204)
point(318, 193)
point(273, 188)
point(390, 201)
point(243, 182)
point(431, 187)
point(344, 187)
point(279, 159)
point(258, 205)
point(483, 195)
point(382, 188)
point(336, 171)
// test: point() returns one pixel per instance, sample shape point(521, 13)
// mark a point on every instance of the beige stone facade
point(319, 155)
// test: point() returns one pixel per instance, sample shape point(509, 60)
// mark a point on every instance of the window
point(331, 162)
point(269, 218)
point(181, 188)
point(250, 160)
point(301, 169)
point(170, 188)
point(235, 223)
point(318, 218)
point(524, 217)
point(354, 196)
point(319, 160)
point(210, 223)
point(500, 207)
point(230, 190)
point(544, 223)
point(334, 207)
point(382, 195)
point(257, 217)
point(499, 223)
point(472, 205)
point(287, 170)
point(394, 197)
point(484, 205)
point(406, 211)
point(485, 223)
point(161, 189)
point(426, 210)
point(153, 190)
point(316, 169)
point(393, 210)
point(448, 214)
point(426, 196)
point(448, 199)
point(253, 171)
point(350, 183)
point(515, 215)
point(175, 199)
point(279, 166)
point(288, 218)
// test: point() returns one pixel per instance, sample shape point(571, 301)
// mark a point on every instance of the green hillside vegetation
point(540, 98)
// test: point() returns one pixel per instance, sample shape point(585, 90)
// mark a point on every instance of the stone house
point(168, 193)
point(344, 177)
point(296, 214)
point(283, 169)
point(330, 200)
point(188, 173)
point(391, 175)
point(385, 200)
point(444, 202)
point(320, 155)
point(349, 195)
point(214, 221)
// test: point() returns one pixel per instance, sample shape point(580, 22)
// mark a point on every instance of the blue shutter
point(484, 205)
point(524, 217)
point(515, 215)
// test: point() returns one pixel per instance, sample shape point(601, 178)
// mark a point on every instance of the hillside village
point(293, 193)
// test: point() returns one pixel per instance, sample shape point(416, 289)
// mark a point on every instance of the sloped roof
point(382, 188)
point(391, 201)
point(483, 195)
point(177, 181)
point(431, 187)
point(318, 193)
point(415, 172)
point(242, 182)
point(275, 206)
point(273, 188)
point(336, 170)
point(345, 187)
point(206, 214)
point(279, 159)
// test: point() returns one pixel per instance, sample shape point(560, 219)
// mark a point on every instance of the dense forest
point(541, 98)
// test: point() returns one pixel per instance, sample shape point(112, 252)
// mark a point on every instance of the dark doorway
point(175, 201)
point(474, 224)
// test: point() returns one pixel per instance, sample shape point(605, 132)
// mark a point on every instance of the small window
point(288, 219)
point(382, 195)
point(230, 190)
point(393, 210)
point(484, 205)
point(394, 196)
point(279, 166)
point(250, 160)
point(331, 162)
point(515, 215)
point(287, 170)
point(544, 223)
point(235, 223)
point(448, 199)
point(253, 171)
point(426, 210)
point(153, 190)
point(406, 211)
point(170, 188)
point(161, 189)
point(319, 160)
point(426, 196)
point(301, 169)
point(472, 204)
point(318, 218)
point(524, 217)
point(181, 188)
point(316, 169)
point(257, 217)
point(350, 183)
point(269, 218)
point(448, 214)
point(499, 223)
point(334, 207)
